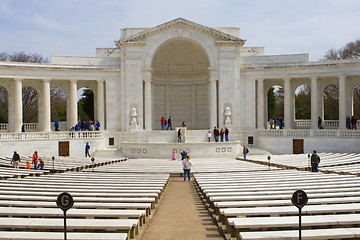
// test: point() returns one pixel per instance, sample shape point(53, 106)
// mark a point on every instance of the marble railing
point(50, 135)
point(324, 133)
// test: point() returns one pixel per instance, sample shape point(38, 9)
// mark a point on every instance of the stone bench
point(287, 210)
point(73, 213)
point(129, 226)
point(311, 234)
point(237, 225)
point(78, 205)
point(24, 235)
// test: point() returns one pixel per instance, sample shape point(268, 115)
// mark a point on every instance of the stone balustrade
point(50, 135)
point(323, 133)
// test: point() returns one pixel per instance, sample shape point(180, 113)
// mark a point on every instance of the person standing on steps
point(187, 167)
point(245, 152)
point(209, 136)
point(87, 150)
point(35, 159)
point(169, 125)
point(15, 160)
point(179, 136)
point(315, 160)
point(162, 121)
point(226, 134)
point(222, 135)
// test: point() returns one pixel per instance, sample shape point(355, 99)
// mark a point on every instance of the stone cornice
point(198, 27)
point(228, 43)
point(129, 44)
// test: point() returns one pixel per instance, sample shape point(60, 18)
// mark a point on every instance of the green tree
point(303, 103)
point(271, 99)
point(86, 105)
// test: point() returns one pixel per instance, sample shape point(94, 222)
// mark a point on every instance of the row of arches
point(302, 102)
point(58, 102)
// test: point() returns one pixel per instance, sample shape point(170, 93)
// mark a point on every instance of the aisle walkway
point(181, 215)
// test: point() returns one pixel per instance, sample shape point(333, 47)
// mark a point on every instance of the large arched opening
point(180, 83)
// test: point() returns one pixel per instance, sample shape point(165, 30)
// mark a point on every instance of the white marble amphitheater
point(199, 75)
point(204, 77)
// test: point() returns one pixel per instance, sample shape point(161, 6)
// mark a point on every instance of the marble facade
point(203, 76)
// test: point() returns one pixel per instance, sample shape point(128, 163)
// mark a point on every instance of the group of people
point(166, 124)
point(85, 126)
point(36, 161)
point(218, 133)
point(186, 162)
point(351, 122)
point(276, 122)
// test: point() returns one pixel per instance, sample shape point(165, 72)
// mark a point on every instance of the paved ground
point(181, 215)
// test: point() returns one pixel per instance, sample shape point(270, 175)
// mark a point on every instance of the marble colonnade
point(44, 123)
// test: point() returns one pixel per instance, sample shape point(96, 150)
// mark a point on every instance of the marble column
point(148, 104)
point(261, 103)
point(18, 107)
point(342, 102)
point(314, 102)
point(213, 103)
point(73, 104)
point(100, 104)
point(46, 118)
point(167, 101)
point(287, 103)
point(193, 107)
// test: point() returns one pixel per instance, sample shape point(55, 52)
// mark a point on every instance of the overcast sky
point(77, 27)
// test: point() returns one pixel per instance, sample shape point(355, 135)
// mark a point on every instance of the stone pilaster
point(314, 102)
point(342, 102)
point(261, 104)
point(148, 104)
point(100, 104)
point(73, 104)
point(287, 103)
point(46, 118)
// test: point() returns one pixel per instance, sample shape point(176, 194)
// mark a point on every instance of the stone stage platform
point(164, 150)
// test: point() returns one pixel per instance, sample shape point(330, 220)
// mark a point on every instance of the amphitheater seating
point(116, 205)
point(257, 205)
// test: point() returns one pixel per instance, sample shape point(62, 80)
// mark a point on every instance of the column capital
point(287, 79)
point(18, 79)
point(212, 80)
point(342, 76)
point(260, 79)
point(73, 80)
point(314, 77)
point(148, 80)
point(100, 81)
point(46, 80)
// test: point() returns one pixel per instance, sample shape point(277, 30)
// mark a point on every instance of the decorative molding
point(195, 26)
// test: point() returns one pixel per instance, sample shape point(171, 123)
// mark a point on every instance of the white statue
point(227, 114)
point(133, 123)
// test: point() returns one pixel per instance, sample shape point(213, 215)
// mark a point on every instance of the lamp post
point(93, 166)
point(268, 158)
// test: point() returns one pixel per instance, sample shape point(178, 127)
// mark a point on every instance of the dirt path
point(181, 215)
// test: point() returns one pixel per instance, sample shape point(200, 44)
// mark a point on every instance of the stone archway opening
point(180, 83)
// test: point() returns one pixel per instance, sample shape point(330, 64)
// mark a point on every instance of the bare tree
point(350, 50)
point(30, 96)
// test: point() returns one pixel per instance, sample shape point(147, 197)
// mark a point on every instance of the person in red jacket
point(163, 123)
point(35, 159)
point(222, 133)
